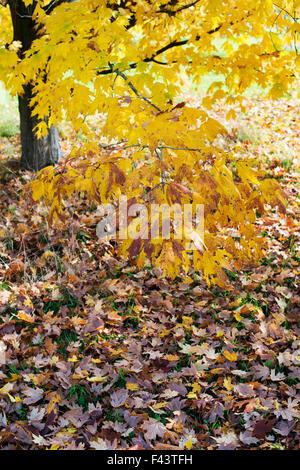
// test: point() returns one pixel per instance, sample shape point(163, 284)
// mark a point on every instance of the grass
point(9, 118)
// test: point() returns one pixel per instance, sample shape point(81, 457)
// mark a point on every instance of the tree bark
point(36, 153)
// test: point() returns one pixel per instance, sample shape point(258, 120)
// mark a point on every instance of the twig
point(286, 11)
point(274, 45)
point(173, 12)
point(135, 91)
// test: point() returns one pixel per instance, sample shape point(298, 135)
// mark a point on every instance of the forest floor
point(97, 354)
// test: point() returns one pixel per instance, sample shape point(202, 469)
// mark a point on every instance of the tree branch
point(169, 46)
point(286, 11)
point(173, 12)
point(135, 91)
point(55, 3)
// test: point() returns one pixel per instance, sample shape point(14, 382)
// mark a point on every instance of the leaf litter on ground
point(97, 354)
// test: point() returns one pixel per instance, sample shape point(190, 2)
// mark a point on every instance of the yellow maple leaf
point(25, 317)
point(73, 358)
point(132, 386)
point(13, 378)
point(6, 389)
point(159, 405)
point(96, 379)
point(172, 357)
point(227, 384)
point(238, 316)
point(188, 444)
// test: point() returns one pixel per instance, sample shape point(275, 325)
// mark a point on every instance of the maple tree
point(122, 61)
point(98, 354)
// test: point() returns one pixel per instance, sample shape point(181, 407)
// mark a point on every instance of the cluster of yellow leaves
point(230, 198)
point(8, 55)
point(86, 44)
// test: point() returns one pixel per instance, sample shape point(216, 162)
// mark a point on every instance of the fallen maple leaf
point(33, 395)
point(119, 397)
point(6, 389)
point(154, 428)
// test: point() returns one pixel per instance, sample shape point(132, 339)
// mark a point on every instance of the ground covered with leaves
point(97, 354)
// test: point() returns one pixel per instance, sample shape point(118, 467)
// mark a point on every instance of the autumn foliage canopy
point(122, 62)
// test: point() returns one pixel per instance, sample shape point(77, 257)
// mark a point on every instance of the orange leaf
point(230, 356)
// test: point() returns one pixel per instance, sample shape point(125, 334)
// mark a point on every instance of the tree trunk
point(36, 153)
